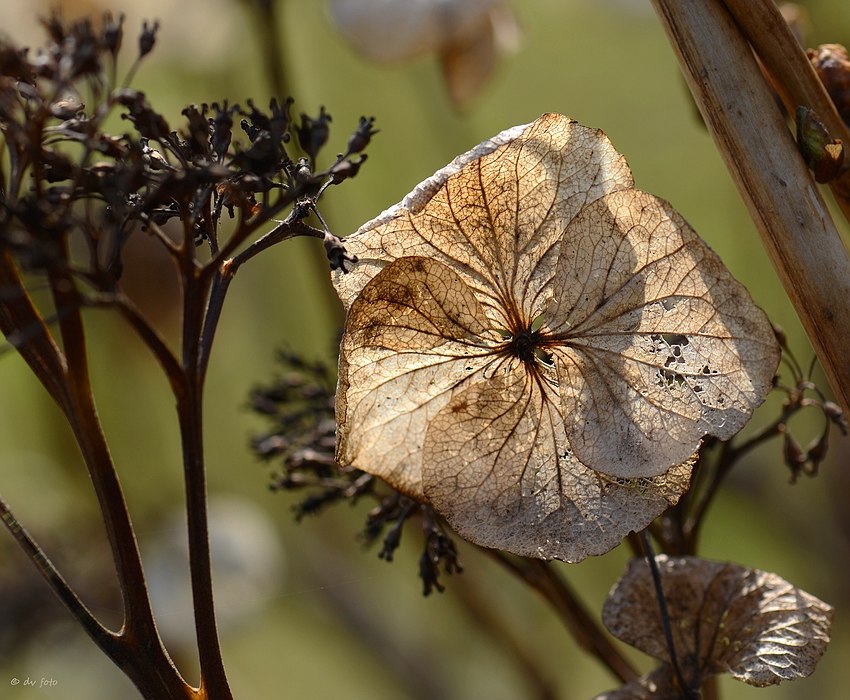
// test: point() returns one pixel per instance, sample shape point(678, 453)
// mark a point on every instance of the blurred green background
point(327, 618)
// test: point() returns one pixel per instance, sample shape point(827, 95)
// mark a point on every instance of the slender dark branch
point(83, 419)
point(26, 330)
point(196, 288)
point(213, 675)
point(101, 636)
point(286, 229)
point(665, 616)
point(248, 226)
point(589, 636)
point(290, 228)
point(156, 344)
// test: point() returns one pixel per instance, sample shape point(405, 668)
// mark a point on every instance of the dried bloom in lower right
point(725, 619)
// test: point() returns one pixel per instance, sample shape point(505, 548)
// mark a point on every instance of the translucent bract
point(725, 619)
point(536, 348)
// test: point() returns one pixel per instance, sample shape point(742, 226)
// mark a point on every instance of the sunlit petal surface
point(724, 618)
point(537, 349)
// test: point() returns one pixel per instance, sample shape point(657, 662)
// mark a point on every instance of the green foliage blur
point(338, 622)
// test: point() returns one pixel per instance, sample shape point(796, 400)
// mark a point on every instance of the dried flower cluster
point(833, 68)
point(301, 439)
point(72, 192)
point(54, 106)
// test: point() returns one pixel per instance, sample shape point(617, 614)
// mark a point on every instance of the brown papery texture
point(724, 618)
point(537, 349)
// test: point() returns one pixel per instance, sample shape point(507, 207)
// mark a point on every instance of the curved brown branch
point(589, 636)
point(26, 330)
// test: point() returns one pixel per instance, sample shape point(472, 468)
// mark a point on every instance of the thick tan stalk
point(762, 157)
point(793, 75)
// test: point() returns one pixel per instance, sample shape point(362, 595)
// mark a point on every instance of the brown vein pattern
point(537, 348)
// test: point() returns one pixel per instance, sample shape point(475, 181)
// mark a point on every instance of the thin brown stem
point(227, 270)
point(588, 635)
point(495, 625)
point(196, 288)
point(26, 330)
point(137, 654)
point(101, 636)
point(137, 648)
point(155, 343)
point(84, 422)
point(213, 677)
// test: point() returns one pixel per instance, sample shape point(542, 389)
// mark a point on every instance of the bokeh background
point(307, 611)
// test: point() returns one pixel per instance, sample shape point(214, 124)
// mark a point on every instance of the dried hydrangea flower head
point(536, 348)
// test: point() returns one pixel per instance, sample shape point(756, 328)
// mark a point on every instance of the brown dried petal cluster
point(833, 68)
point(724, 618)
point(536, 348)
point(468, 36)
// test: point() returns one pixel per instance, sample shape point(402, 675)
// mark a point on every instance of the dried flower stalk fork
point(62, 169)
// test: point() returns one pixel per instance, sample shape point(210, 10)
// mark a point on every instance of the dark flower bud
point(110, 146)
point(836, 415)
point(222, 128)
point(781, 336)
point(260, 158)
point(345, 169)
point(152, 157)
point(393, 538)
point(14, 63)
point(257, 118)
point(147, 39)
point(302, 172)
point(280, 119)
point(67, 108)
point(250, 130)
point(817, 452)
point(55, 27)
point(313, 133)
point(337, 254)
point(199, 129)
point(147, 122)
point(793, 455)
point(113, 32)
point(823, 155)
point(84, 50)
point(56, 166)
point(832, 65)
point(362, 135)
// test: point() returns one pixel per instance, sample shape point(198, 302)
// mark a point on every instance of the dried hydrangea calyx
point(536, 348)
point(725, 619)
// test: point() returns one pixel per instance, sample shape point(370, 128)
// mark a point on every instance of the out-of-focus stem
point(497, 629)
point(541, 576)
point(26, 330)
point(761, 156)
